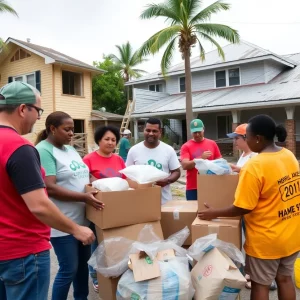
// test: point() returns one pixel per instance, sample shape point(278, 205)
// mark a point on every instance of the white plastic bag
point(212, 167)
point(174, 283)
point(206, 243)
point(111, 184)
point(143, 174)
point(112, 255)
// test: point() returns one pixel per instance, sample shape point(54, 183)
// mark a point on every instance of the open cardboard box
point(175, 215)
point(216, 190)
point(227, 230)
point(215, 276)
point(122, 208)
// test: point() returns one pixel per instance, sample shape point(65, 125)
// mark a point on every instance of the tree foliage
point(108, 88)
point(188, 27)
point(127, 60)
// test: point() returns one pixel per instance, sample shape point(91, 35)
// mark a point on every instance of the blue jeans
point(191, 194)
point(94, 246)
point(25, 278)
point(72, 258)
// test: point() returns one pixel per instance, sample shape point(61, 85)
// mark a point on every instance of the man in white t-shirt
point(154, 152)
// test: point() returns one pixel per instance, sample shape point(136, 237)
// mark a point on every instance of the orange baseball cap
point(240, 130)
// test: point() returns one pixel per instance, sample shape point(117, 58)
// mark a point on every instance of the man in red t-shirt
point(197, 147)
point(26, 212)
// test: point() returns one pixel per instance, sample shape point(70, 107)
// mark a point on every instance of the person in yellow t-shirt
point(268, 196)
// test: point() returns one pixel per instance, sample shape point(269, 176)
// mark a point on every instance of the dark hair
point(265, 126)
point(55, 119)
point(100, 132)
point(154, 121)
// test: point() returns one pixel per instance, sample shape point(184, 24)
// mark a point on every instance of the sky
point(88, 29)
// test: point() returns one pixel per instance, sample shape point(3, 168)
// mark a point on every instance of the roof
point(283, 89)
point(53, 56)
point(243, 52)
point(97, 115)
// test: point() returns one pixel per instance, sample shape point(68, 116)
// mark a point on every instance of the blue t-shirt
point(124, 148)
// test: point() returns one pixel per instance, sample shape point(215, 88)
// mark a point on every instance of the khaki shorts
point(264, 271)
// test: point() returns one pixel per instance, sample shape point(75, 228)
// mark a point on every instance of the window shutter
point(38, 80)
point(10, 79)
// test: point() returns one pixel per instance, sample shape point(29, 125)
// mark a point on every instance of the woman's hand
point(235, 168)
point(91, 200)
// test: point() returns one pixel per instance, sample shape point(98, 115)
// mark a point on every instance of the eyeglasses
point(38, 109)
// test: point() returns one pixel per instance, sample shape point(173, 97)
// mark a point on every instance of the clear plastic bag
point(212, 167)
point(112, 255)
point(206, 243)
point(143, 174)
point(174, 283)
point(111, 184)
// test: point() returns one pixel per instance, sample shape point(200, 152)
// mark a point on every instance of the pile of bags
point(150, 268)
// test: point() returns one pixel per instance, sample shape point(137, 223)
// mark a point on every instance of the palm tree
point(188, 27)
point(127, 61)
point(4, 7)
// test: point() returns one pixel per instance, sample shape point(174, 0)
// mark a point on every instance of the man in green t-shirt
point(124, 144)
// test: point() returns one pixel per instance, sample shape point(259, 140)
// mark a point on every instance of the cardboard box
point(175, 215)
point(228, 230)
point(126, 207)
point(216, 190)
point(130, 232)
point(215, 276)
point(107, 287)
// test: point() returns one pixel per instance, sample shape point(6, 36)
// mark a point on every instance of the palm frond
point(4, 7)
point(192, 6)
point(114, 58)
point(140, 71)
point(165, 36)
point(214, 42)
point(207, 12)
point(219, 30)
point(136, 60)
point(167, 57)
point(159, 10)
point(202, 50)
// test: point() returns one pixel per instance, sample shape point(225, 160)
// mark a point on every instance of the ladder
point(126, 119)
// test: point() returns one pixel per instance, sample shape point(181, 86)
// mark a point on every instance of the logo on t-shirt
point(75, 165)
point(108, 173)
point(153, 163)
point(197, 153)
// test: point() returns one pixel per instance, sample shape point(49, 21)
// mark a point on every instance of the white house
point(250, 81)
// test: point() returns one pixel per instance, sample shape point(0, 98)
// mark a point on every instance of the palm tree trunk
point(188, 92)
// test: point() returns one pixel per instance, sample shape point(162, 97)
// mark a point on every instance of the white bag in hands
point(143, 174)
point(112, 184)
point(212, 167)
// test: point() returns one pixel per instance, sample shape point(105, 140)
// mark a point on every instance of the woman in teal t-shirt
point(66, 177)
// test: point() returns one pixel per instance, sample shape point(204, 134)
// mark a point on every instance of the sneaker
point(273, 286)
point(95, 286)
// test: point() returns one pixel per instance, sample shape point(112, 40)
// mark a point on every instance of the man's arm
point(187, 164)
point(175, 174)
point(23, 168)
point(130, 157)
point(48, 213)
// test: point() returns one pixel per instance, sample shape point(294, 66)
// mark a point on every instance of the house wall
point(145, 97)
point(272, 69)
point(251, 73)
point(78, 107)
point(25, 66)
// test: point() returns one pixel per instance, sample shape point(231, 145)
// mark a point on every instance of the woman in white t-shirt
point(239, 136)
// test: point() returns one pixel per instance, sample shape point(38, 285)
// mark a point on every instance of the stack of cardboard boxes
point(125, 215)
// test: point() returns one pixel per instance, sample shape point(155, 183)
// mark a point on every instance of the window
point(230, 77)
point(220, 79)
point(182, 84)
point(155, 87)
point(234, 77)
point(224, 125)
point(28, 78)
point(20, 54)
point(72, 83)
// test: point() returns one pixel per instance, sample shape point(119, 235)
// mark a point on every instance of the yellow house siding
point(30, 65)
point(77, 107)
